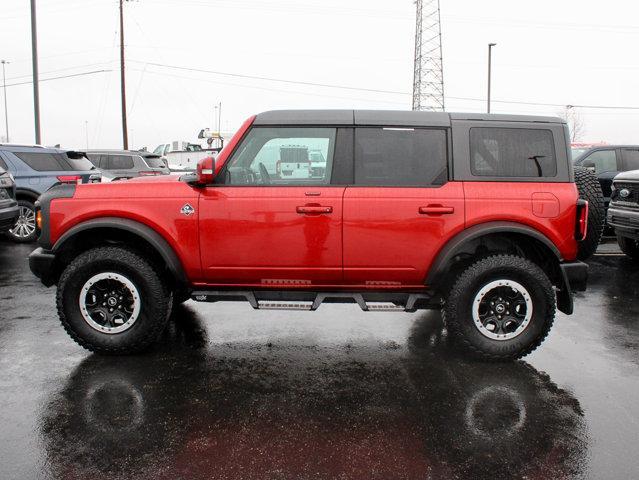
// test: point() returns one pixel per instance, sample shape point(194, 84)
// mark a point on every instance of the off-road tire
point(155, 301)
point(590, 190)
point(629, 246)
point(32, 236)
point(458, 307)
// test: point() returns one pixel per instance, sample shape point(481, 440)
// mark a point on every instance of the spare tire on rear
point(590, 190)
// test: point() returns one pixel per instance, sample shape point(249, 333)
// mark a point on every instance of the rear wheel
point(500, 307)
point(590, 190)
point(629, 246)
point(24, 231)
point(111, 301)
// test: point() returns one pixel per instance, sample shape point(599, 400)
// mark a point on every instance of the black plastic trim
point(41, 264)
point(147, 233)
point(43, 203)
point(438, 268)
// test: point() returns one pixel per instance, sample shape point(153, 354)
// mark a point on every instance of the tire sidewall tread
point(458, 307)
point(155, 297)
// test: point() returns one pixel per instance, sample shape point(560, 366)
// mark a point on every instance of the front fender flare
point(145, 232)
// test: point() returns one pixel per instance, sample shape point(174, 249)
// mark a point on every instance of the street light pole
point(34, 61)
point(4, 86)
point(490, 56)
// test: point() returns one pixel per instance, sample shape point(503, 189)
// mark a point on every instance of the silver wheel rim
point(502, 310)
point(109, 302)
point(26, 223)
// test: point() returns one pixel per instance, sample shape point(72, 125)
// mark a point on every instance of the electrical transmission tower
point(428, 80)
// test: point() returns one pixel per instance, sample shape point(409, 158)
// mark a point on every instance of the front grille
point(5, 194)
point(631, 200)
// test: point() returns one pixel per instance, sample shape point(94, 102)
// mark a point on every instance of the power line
point(60, 77)
point(270, 79)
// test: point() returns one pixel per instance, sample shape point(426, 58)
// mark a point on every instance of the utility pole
point(428, 74)
point(4, 86)
point(125, 136)
point(34, 61)
point(490, 57)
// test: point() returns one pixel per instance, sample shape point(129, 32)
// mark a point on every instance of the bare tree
point(575, 122)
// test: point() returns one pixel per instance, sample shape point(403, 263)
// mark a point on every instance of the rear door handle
point(314, 209)
point(436, 210)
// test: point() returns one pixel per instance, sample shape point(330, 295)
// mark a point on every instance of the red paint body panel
point(153, 201)
point(513, 202)
point(255, 235)
point(387, 239)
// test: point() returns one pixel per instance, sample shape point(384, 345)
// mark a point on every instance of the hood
point(630, 176)
point(160, 186)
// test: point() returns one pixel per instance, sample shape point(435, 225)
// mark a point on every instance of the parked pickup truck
point(183, 156)
point(477, 215)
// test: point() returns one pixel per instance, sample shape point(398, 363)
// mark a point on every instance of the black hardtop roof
point(396, 118)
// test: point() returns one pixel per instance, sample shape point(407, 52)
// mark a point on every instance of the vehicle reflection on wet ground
point(232, 393)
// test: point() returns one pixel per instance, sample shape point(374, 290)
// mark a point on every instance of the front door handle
point(314, 209)
point(436, 210)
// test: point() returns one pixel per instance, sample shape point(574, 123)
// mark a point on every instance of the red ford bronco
point(477, 215)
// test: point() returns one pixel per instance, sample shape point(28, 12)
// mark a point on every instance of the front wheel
point(112, 301)
point(500, 308)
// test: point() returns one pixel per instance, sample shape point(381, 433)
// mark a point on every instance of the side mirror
point(205, 171)
point(589, 164)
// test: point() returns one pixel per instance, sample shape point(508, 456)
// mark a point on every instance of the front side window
point(400, 156)
point(283, 156)
point(512, 152)
point(602, 161)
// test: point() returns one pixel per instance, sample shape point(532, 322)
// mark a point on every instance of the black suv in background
point(623, 213)
point(9, 210)
point(607, 161)
point(123, 164)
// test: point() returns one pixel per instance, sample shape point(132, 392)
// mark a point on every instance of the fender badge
point(187, 210)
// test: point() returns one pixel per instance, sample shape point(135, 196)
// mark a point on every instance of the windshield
point(154, 162)
point(578, 152)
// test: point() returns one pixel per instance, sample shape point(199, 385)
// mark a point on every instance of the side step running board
point(310, 301)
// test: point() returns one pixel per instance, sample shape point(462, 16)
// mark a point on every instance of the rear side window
point(400, 156)
point(631, 158)
point(43, 162)
point(512, 152)
point(120, 162)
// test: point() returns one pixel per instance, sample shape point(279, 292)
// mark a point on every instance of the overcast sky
point(553, 52)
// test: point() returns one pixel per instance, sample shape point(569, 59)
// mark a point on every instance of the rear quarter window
point(512, 152)
point(154, 162)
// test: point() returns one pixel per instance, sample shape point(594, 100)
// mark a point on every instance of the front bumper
point(41, 263)
point(624, 221)
point(9, 215)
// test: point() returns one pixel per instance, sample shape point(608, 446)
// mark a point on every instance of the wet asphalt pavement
point(234, 393)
